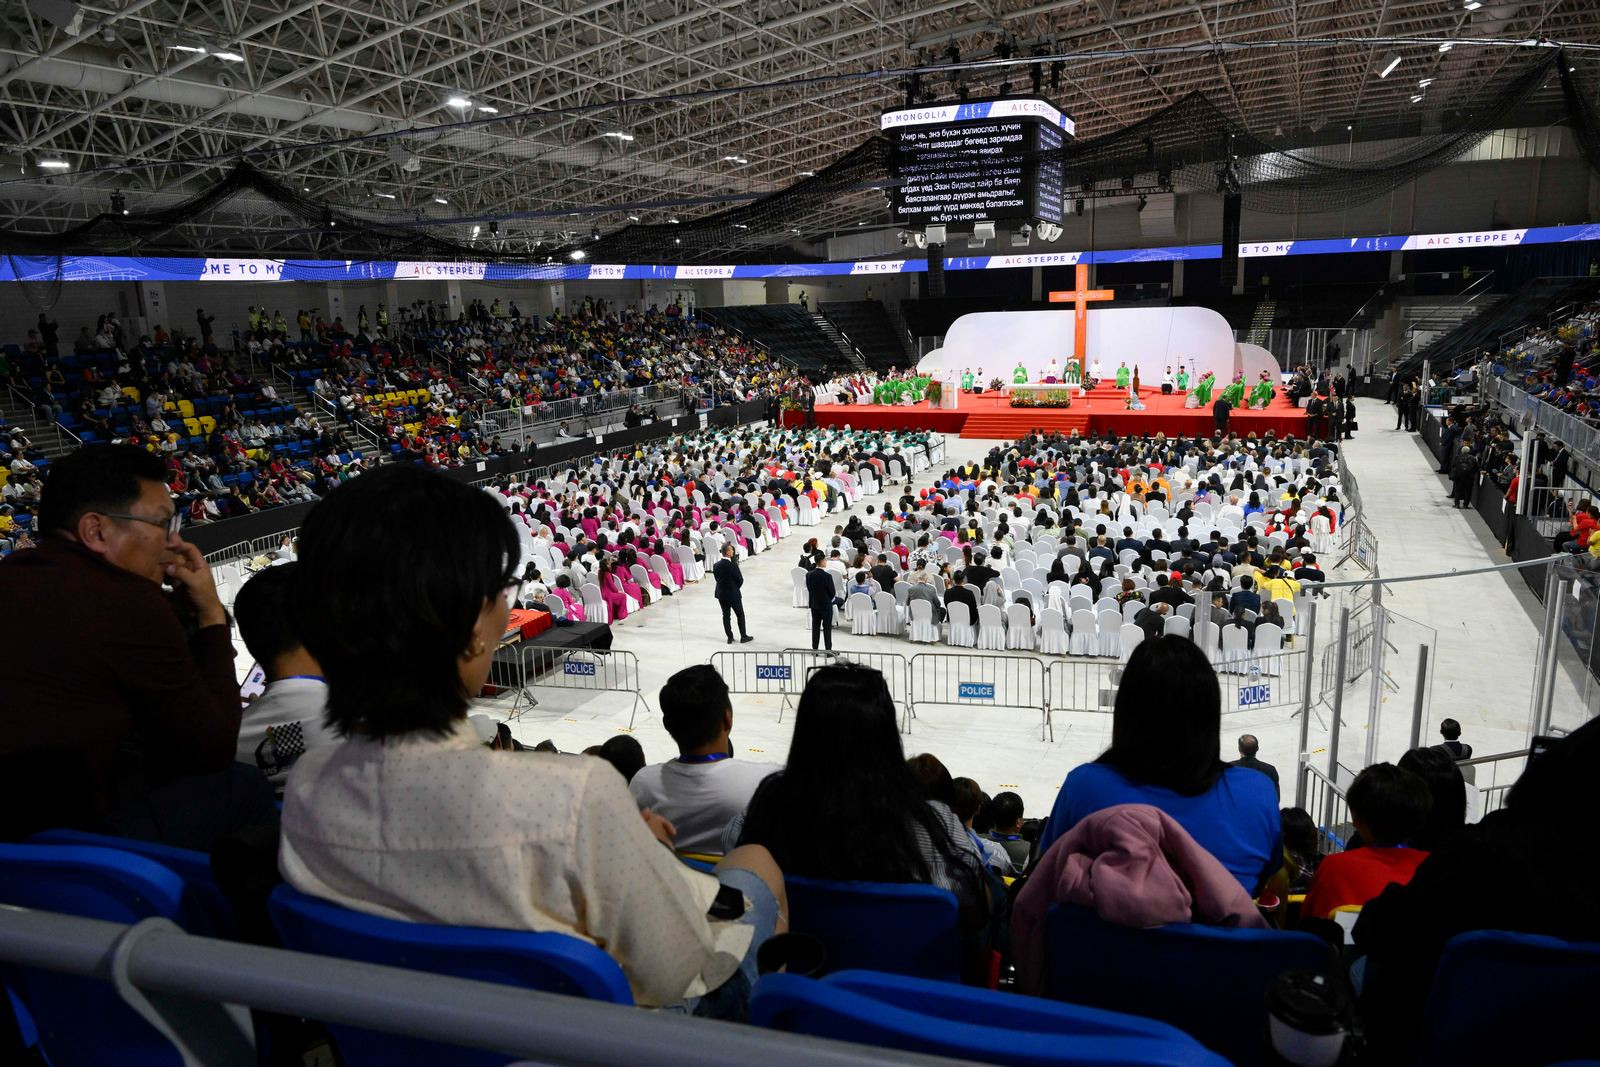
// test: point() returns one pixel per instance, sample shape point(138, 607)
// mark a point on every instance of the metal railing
point(1325, 802)
point(523, 666)
point(1528, 411)
point(1404, 347)
point(193, 989)
point(941, 678)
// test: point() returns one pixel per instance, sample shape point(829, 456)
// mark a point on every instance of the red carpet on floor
point(992, 416)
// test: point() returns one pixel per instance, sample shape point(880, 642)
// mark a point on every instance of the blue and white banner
point(133, 269)
point(944, 114)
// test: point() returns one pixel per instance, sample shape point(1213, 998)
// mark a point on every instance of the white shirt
point(444, 830)
point(699, 798)
point(287, 700)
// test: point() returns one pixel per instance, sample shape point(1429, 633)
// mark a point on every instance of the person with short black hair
point(121, 708)
point(626, 755)
point(1004, 813)
point(1450, 730)
point(1387, 806)
point(822, 597)
point(413, 818)
point(729, 594)
point(705, 787)
point(291, 709)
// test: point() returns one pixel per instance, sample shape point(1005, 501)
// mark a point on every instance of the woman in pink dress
point(612, 593)
point(564, 593)
point(636, 595)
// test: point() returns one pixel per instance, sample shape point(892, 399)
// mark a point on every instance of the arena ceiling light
point(487, 110)
point(808, 174)
point(1424, 83)
point(579, 254)
point(228, 57)
point(1389, 65)
point(1446, 46)
point(618, 135)
point(1472, 5)
point(633, 218)
point(459, 102)
point(439, 199)
point(1416, 98)
point(190, 48)
point(386, 196)
point(55, 164)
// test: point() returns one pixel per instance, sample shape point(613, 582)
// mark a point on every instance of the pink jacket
point(1135, 866)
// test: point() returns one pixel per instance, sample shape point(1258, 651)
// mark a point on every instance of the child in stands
point(1387, 806)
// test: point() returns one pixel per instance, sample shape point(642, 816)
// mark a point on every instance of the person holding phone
point(122, 709)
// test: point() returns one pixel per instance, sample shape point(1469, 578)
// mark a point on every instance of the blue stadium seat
point(552, 963)
point(82, 1020)
point(1506, 999)
point(906, 929)
point(200, 890)
point(943, 1019)
point(1208, 981)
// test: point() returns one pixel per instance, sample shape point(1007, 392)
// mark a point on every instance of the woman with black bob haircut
point(395, 615)
point(402, 584)
point(847, 807)
point(1165, 737)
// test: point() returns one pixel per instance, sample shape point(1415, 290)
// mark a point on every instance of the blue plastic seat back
point(945, 1019)
point(906, 929)
point(82, 1020)
point(1506, 999)
point(548, 962)
point(1208, 981)
point(206, 910)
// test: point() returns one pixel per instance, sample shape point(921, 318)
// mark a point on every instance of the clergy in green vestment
point(1020, 375)
point(1261, 395)
point(1234, 393)
point(966, 381)
point(1183, 380)
point(1202, 391)
point(1124, 377)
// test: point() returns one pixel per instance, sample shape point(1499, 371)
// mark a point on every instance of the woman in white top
point(413, 818)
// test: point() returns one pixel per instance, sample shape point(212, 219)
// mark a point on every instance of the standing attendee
point(121, 708)
point(1248, 748)
point(1463, 477)
point(729, 580)
point(702, 790)
point(1450, 730)
point(1221, 411)
point(822, 598)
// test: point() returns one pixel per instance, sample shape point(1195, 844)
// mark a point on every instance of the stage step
point(1017, 422)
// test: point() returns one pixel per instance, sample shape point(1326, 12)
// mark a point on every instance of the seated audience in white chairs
point(383, 823)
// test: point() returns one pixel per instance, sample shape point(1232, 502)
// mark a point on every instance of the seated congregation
point(1157, 863)
point(1086, 546)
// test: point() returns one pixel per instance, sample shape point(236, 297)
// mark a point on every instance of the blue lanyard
point(710, 757)
point(308, 677)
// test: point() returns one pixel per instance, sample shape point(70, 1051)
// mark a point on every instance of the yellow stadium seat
point(169, 406)
point(186, 408)
point(208, 424)
point(131, 393)
point(193, 426)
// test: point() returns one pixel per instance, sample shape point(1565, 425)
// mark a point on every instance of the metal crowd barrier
point(1263, 680)
point(1084, 685)
point(784, 674)
point(523, 666)
point(984, 681)
point(894, 667)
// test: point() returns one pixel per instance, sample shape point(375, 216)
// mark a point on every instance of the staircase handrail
point(1407, 336)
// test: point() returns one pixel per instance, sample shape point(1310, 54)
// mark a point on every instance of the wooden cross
point(1080, 298)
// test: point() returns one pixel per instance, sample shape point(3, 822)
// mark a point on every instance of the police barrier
point(521, 667)
point(987, 681)
point(893, 666)
point(1084, 685)
point(784, 674)
point(1263, 680)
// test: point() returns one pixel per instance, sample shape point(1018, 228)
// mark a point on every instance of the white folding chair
point(1019, 629)
point(1185, 611)
point(594, 606)
point(862, 614)
point(890, 620)
point(802, 598)
point(995, 594)
point(962, 634)
point(923, 628)
point(641, 578)
point(1110, 623)
point(1053, 640)
point(1176, 626)
point(1131, 636)
point(1130, 608)
point(1235, 645)
point(1085, 639)
point(991, 628)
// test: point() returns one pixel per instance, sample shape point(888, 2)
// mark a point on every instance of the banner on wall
point(156, 269)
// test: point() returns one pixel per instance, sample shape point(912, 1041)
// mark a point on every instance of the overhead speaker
point(1232, 208)
point(935, 275)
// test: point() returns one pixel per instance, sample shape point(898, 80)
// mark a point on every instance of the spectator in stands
point(292, 708)
point(1004, 814)
point(1387, 806)
point(1308, 571)
point(626, 755)
point(846, 805)
point(1163, 752)
point(1301, 856)
point(1523, 868)
point(1152, 620)
point(1450, 730)
point(705, 787)
point(1447, 814)
point(1246, 598)
point(121, 705)
point(1249, 747)
point(413, 817)
point(960, 593)
point(981, 573)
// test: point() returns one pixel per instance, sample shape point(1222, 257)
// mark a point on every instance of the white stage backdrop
point(1150, 339)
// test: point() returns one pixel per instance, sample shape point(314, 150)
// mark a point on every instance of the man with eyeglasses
point(121, 709)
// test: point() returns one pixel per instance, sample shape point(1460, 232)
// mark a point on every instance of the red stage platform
point(990, 415)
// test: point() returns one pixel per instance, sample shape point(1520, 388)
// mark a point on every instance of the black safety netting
point(584, 189)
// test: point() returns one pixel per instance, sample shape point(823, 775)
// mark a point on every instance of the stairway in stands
point(1261, 322)
point(831, 332)
point(1016, 422)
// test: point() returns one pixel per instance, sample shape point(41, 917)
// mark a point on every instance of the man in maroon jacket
point(120, 709)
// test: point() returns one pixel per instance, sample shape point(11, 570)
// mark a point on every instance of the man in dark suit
point(1152, 620)
point(884, 574)
point(1168, 593)
point(981, 574)
point(1308, 571)
point(1246, 599)
point(960, 594)
point(729, 580)
point(1128, 542)
point(822, 598)
point(1248, 747)
point(1220, 411)
point(1450, 730)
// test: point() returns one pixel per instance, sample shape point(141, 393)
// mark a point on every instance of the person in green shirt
point(1234, 393)
point(1202, 391)
point(966, 380)
point(1020, 375)
point(1073, 375)
point(1261, 395)
point(1183, 380)
point(1124, 376)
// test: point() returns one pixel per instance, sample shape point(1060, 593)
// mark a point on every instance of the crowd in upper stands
point(1560, 363)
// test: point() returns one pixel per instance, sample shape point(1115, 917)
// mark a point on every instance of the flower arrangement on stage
point(1046, 398)
point(995, 385)
point(934, 393)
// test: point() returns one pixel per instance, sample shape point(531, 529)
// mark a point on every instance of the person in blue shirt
point(1165, 752)
point(1247, 598)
